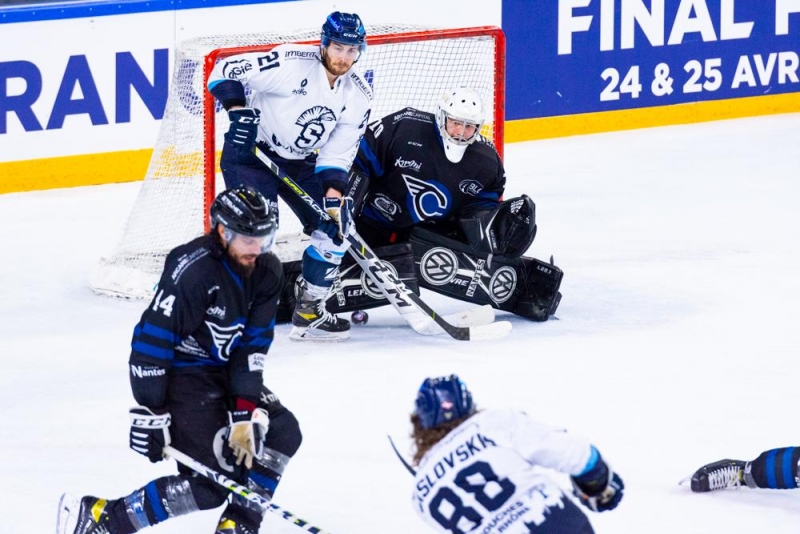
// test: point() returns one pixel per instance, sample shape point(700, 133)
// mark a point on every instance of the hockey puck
point(359, 317)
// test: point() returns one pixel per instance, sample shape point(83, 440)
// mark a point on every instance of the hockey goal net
point(405, 65)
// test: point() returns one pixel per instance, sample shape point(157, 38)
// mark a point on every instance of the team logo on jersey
point(439, 266)
point(502, 284)
point(225, 338)
point(236, 69)
point(407, 164)
point(314, 123)
point(216, 311)
point(470, 187)
point(427, 199)
point(302, 89)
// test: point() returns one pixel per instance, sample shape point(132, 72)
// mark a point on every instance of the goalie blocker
point(486, 267)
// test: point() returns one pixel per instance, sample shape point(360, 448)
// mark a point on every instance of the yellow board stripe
point(71, 171)
point(131, 165)
point(631, 119)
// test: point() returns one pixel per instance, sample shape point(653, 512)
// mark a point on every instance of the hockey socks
point(775, 469)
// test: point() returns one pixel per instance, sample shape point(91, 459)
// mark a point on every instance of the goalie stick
point(240, 490)
point(408, 304)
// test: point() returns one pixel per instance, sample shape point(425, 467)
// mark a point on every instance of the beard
point(243, 265)
point(338, 68)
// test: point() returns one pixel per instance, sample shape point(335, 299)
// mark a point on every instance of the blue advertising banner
point(568, 57)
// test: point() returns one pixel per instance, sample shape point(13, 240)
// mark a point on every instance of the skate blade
point(67, 510)
point(301, 333)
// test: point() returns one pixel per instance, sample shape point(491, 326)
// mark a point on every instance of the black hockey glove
point(341, 211)
point(244, 128)
point(599, 496)
point(149, 432)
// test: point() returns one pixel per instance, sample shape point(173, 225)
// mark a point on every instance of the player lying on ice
point(428, 199)
point(480, 470)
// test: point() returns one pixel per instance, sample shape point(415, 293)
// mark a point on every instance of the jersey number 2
point(480, 480)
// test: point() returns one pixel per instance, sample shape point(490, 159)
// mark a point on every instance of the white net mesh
point(406, 66)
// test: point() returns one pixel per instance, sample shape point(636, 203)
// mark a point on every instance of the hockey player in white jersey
point(307, 109)
point(476, 469)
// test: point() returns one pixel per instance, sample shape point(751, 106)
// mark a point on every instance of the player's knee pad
point(525, 286)
point(284, 433)
point(353, 289)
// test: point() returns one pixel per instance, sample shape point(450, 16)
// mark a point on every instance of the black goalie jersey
point(411, 179)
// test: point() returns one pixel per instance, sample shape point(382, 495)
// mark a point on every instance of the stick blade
point(490, 331)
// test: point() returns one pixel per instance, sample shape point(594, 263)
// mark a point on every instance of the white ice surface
point(676, 342)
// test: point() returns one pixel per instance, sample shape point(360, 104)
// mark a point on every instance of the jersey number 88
point(474, 479)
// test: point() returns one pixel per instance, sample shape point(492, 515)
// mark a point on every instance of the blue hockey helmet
point(344, 28)
point(441, 400)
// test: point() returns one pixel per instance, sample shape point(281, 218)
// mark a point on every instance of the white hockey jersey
point(300, 112)
point(482, 477)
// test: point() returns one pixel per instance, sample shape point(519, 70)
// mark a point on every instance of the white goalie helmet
point(464, 109)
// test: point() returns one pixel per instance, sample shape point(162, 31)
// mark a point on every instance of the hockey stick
point(400, 457)
point(408, 304)
point(240, 490)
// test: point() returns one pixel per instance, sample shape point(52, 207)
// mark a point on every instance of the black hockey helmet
point(345, 28)
point(244, 211)
point(441, 400)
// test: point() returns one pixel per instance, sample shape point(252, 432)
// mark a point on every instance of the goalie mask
point(459, 116)
point(441, 400)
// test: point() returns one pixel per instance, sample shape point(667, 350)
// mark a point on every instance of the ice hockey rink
point(676, 343)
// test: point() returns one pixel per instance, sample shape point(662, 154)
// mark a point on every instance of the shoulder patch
point(359, 82)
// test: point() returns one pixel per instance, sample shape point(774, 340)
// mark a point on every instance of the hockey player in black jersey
point(429, 201)
point(196, 369)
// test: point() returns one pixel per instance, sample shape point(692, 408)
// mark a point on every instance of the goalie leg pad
point(524, 286)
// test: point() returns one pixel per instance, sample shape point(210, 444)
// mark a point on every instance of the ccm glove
point(244, 128)
point(246, 433)
point(149, 432)
point(341, 211)
point(599, 495)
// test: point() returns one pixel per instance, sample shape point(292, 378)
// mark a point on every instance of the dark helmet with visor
point(244, 211)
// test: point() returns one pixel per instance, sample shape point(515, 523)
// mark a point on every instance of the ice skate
point(718, 475)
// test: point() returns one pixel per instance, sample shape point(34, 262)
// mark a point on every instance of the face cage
point(265, 244)
point(460, 140)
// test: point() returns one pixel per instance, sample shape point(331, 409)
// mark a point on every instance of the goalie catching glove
point(246, 433)
point(149, 432)
point(341, 211)
point(243, 129)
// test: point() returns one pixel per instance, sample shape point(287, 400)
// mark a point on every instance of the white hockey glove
point(149, 432)
point(246, 434)
point(341, 211)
